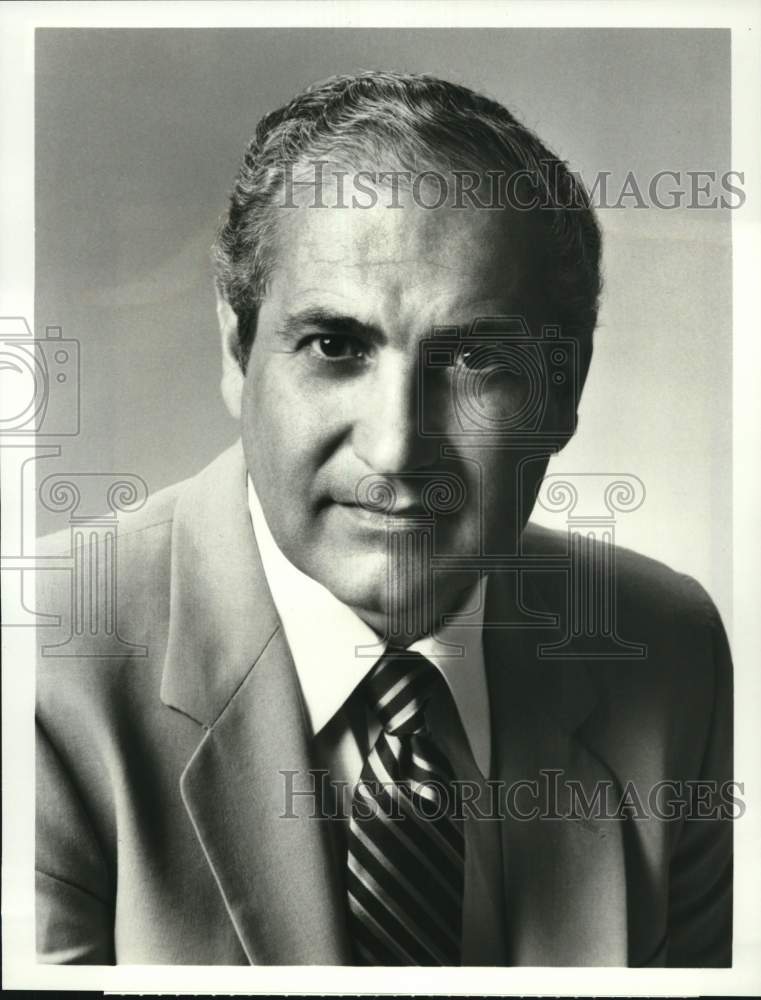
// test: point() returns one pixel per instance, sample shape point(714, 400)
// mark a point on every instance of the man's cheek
point(500, 506)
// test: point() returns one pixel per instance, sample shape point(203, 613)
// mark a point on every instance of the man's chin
point(362, 584)
point(384, 599)
point(398, 603)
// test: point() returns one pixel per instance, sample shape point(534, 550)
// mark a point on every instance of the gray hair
point(411, 120)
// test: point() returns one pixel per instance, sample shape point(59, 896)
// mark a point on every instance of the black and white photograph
point(379, 443)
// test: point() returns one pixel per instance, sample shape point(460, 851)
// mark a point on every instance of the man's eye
point(337, 347)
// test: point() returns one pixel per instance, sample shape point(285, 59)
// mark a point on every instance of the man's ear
point(233, 376)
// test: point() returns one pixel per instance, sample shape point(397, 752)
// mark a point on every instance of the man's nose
point(391, 434)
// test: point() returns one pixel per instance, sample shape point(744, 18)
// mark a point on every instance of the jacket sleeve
point(74, 912)
point(700, 883)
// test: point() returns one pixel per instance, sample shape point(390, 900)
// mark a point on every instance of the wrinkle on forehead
point(392, 264)
point(443, 239)
point(335, 195)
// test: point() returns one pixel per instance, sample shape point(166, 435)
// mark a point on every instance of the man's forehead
point(483, 251)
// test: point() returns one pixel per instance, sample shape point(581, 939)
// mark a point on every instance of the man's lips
point(406, 509)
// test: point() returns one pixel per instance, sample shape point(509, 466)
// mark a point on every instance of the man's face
point(334, 391)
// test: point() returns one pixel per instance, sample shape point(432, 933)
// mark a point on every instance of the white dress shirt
point(333, 650)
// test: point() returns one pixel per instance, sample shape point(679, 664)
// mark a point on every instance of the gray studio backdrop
point(138, 136)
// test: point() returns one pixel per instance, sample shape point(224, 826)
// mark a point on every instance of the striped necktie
point(405, 852)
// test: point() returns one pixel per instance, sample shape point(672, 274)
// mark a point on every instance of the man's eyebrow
point(331, 322)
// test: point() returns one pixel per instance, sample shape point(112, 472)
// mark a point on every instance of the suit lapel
point(564, 879)
point(228, 667)
point(271, 857)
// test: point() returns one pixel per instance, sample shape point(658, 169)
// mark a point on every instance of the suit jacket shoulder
point(660, 591)
point(655, 649)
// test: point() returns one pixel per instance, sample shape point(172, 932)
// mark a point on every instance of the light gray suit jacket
point(159, 829)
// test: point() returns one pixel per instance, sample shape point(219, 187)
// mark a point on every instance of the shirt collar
point(333, 649)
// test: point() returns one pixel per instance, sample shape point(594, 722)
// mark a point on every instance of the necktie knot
point(398, 689)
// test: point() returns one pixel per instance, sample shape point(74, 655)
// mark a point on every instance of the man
point(356, 736)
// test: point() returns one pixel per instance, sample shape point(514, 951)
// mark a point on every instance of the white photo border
point(18, 22)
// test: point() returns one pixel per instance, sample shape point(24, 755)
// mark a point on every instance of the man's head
point(350, 237)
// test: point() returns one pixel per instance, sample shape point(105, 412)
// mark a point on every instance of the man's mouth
point(410, 509)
